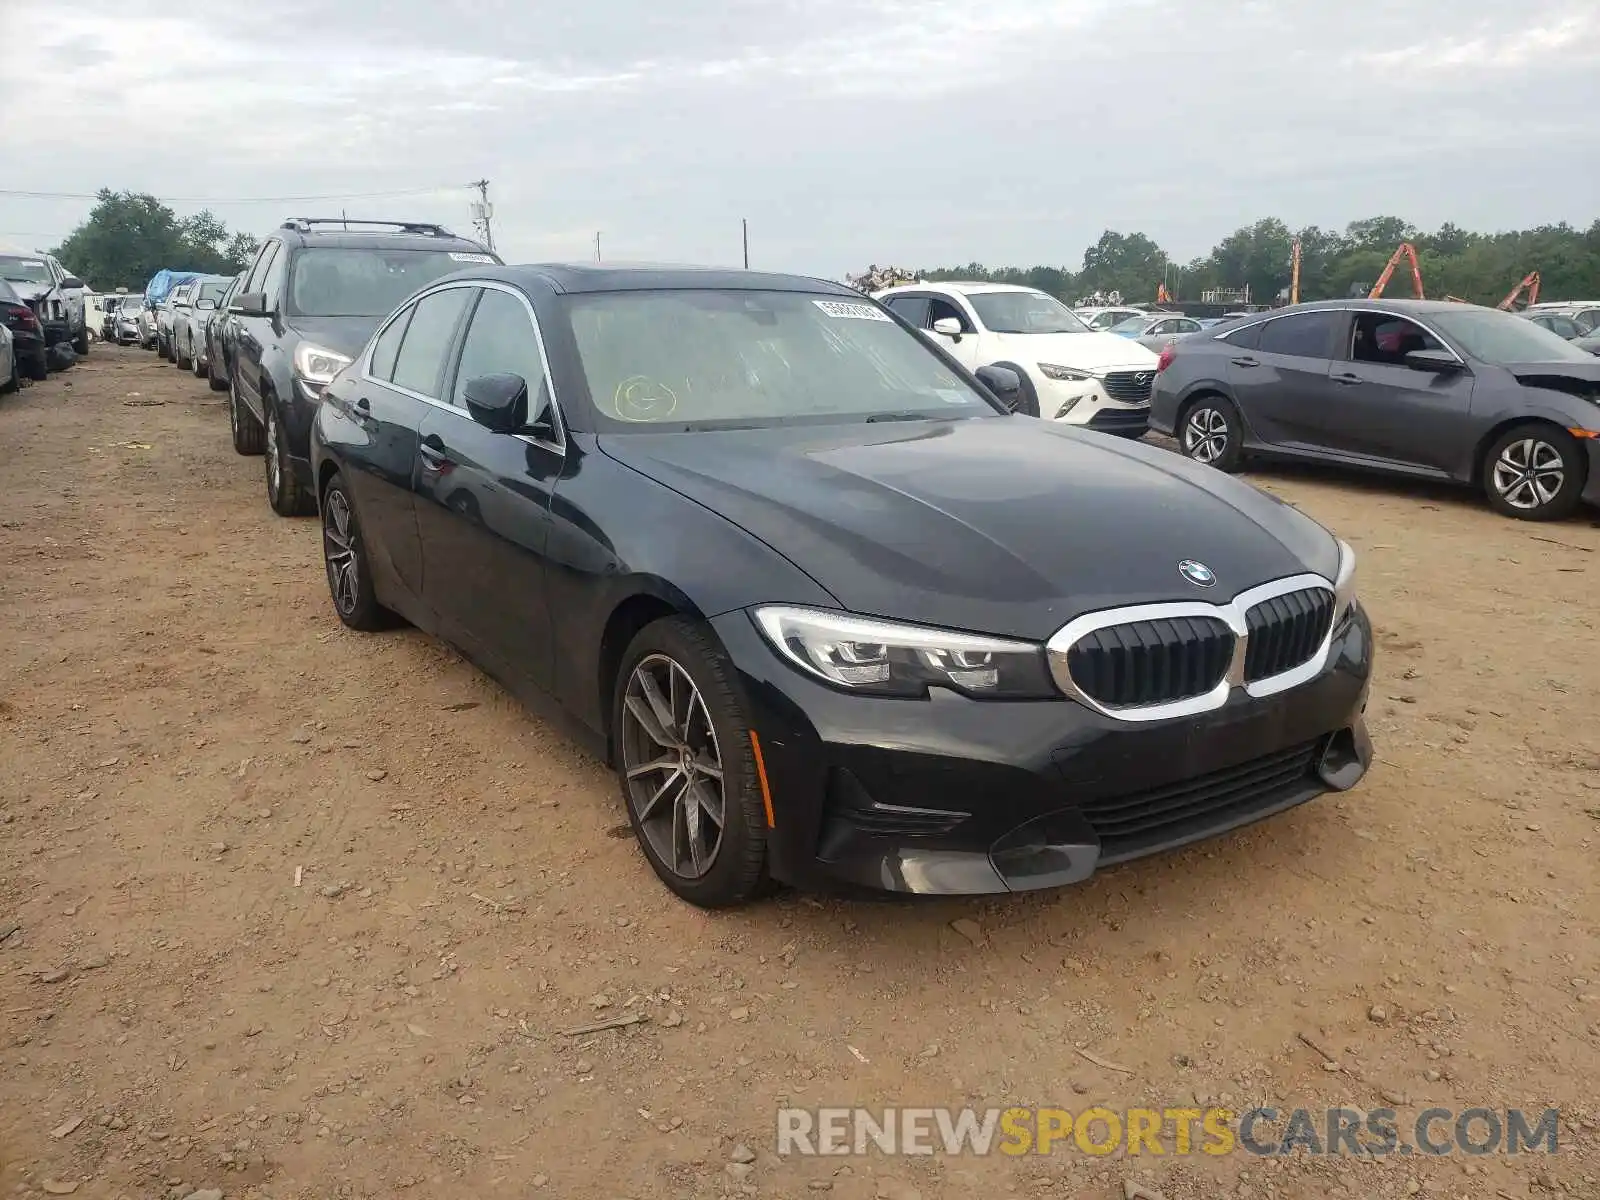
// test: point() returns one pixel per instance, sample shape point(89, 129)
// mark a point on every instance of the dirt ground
point(307, 913)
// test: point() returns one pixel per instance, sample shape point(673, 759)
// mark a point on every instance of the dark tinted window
point(1381, 338)
point(364, 282)
point(258, 272)
point(1246, 338)
point(912, 309)
point(500, 341)
point(387, 347)
point(433, 323)
point(1305, 335)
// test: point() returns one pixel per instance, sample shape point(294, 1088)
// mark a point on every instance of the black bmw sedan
point(831, 611)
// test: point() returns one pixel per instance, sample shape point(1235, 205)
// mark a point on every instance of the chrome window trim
point(559, 446)
point(1355, 306)
point(1232, 613)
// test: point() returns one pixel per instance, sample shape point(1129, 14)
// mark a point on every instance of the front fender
point(616, 536)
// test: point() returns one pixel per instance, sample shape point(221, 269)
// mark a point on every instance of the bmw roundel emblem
point(1197, 573)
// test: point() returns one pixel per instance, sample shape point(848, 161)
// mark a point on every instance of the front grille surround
point(1074, 648)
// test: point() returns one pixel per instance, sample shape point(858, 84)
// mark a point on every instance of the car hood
point(1090, 351)
point(1004, 525)
point(342, 335)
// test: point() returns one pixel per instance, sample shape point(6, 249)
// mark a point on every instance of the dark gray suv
point(1430, 389)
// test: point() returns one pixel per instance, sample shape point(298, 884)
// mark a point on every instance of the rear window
point(364, 282)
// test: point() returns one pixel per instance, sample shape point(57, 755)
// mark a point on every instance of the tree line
point(129, 236)
point(1480, 267)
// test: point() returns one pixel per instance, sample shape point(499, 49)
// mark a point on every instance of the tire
point(1535, 472)
point(14, 383)
point(344, 553)
point(80, 344)
point(218, 383)
point(178, 359)
point(1210, 431)
point(38, 367)
point(248, 436)
point(736, 870)
point(284, 490)
point(201, 369)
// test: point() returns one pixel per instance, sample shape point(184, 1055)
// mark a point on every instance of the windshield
point(1024, 312)
point(704, 359)
point(1132, 327)
point(131, 303)
point(23, 270)
point(363, 282)
point(213, 291)
point(1499, 337)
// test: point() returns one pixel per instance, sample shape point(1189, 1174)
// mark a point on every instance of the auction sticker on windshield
point(456, 256)
point(855, 312)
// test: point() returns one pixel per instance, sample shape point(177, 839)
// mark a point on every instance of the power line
point(483, 212)
point(445, 187)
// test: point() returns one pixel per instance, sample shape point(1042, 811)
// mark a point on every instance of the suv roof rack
point(425, 228)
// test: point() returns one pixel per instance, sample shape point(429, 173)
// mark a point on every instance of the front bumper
point(950, 796)
point(1109, 402)
point(1591, 489)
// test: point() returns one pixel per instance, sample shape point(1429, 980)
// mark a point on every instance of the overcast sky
point(912, 132)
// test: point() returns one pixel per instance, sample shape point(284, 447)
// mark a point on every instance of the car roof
point(641, 277)
point(965, 287)
point(1416, 307)
point(298, 232)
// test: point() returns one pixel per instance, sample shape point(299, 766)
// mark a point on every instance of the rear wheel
point(687, 765)
point(1535, 473)
point(284, 491)
point(200, 366)
point(178, 356)
point(247, 432)
point(37, 366)
point(1210, 433)
point(81, 342)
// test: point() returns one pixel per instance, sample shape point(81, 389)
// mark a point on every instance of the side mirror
point(205, 302)
point(250, 304)
point(1005, 383)
point(948, 327)
point(72, 281)
point(498, 402)
point(1438, 361)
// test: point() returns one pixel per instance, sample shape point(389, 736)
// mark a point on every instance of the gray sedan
point(1156, 331)
point(1430, 389)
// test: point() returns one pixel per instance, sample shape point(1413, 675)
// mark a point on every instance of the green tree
point(129, 236)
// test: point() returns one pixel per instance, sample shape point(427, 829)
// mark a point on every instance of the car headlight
point(315, 364)
point(1344, 583)
point(886, 658)
point(1070, 374)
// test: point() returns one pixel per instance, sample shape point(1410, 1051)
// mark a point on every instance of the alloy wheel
point(274, 463)
point(1205, 434)
point(1529, 473)
point(233, 410)
point(339, 549)
point(673, 767)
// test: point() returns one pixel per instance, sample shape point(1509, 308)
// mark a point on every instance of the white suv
point(1069, 373)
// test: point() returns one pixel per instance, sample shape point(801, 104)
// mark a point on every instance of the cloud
point(1574, 37)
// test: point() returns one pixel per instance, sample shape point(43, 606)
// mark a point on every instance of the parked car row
point(754, 540)
point(43, 307)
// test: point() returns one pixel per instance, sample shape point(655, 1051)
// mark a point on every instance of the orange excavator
point(1405, 250)
point(1529, 284)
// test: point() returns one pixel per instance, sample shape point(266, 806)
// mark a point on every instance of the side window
point(1587, 320)
point(1384, 338)
point(1187, 326)
point(427, 338)
point(939, 309)
point(500, 341)
point(1247, 338)
point(272, 282)
point(258, 269)
point(1165, 327)
point(912, 309)
point(387, 348)
point(1302, 335)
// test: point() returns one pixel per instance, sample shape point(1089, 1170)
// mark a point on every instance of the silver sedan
point(1156, 331)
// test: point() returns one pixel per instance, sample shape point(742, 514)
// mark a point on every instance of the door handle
point(364, 407)
point(433, 454)
point(1244, 362)
point(1347, 379)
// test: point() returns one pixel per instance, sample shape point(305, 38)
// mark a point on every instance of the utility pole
point(483, 213)
point(744, 225)
point(597, 245)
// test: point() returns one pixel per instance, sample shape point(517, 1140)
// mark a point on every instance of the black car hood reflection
point(1004, 525)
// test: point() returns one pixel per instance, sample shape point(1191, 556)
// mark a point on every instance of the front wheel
point(80, 344)
point(1211, 433)
point(284, 491)
point(179, 359)
point(345, 553)
point(686, 763)
point(1535, 473)
point(219, 383)
point(12, 383)
point(201, 368)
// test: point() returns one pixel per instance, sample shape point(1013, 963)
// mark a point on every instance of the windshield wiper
point(900, 416)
